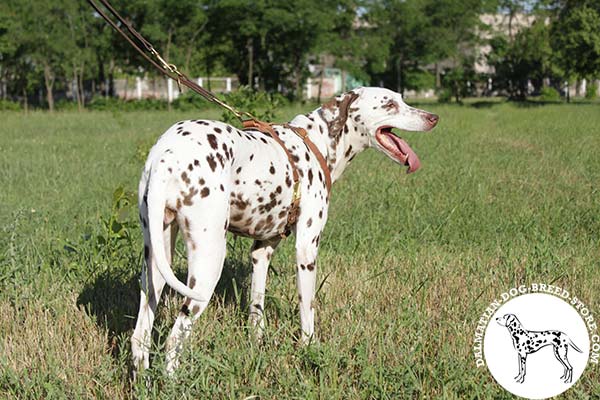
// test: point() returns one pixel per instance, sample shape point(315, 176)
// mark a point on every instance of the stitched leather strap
point(314, 149)
point(295, 206)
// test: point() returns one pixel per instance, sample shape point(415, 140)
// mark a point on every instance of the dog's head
point(508, 320)
point(374, 112)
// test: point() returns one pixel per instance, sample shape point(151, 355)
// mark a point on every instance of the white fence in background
point(137, 88)
point(163, 88)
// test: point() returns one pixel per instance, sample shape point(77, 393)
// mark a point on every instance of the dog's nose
point(433, 119)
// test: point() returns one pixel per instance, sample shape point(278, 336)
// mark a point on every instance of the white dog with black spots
point(206, 178)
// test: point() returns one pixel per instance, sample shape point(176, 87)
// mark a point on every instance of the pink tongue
point(412, 160)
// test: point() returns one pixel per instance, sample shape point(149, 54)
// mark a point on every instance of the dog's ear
point(335, 112)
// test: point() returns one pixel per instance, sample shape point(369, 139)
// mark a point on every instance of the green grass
point(507, 195)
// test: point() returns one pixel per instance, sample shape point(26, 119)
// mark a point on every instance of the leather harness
point(294, 211)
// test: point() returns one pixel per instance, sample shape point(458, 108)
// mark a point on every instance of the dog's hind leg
point(561, 353)
point(565, 368)
point(262, 250)
point(204, 229)
point(152, 284)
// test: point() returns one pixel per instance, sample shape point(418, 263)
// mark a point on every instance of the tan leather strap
point(295, 206)
point(315, 150)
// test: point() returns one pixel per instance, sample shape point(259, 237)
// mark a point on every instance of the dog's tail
point(157, 187)
point(573, 346)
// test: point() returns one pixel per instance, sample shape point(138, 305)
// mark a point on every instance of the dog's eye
point(391, 105)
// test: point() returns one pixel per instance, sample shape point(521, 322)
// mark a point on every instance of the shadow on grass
point(113, 297)
point(113, 300)
point(485, 104)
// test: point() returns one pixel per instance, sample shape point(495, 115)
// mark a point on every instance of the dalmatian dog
point(528, 342)
point(205, 178)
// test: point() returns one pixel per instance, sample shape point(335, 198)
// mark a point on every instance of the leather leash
point(160, 64)
point(247, 119)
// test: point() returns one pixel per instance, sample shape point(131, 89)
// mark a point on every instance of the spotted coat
point(205, 178)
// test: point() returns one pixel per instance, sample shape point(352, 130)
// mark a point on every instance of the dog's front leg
point(516, 378)
point(262, 250)
point(307, 245)
point(522, 366)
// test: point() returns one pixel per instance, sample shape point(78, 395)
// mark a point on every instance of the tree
point(268, 40)
point(41, 36)
point(526, 58)
point(78, 51)
point(403, 26)
point(426, 35)
point(576, 39)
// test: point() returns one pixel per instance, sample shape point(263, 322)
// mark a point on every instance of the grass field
point(507, 195)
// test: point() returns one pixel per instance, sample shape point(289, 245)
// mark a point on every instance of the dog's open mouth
point(398, 148)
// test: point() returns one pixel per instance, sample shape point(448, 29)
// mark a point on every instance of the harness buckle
point(296, 195)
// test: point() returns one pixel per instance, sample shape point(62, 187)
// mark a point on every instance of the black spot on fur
point(187, 198)
point(185, 178)
point(221, 160)
point(226, 150)
point(212, 140)
point(205, 192)
point(348, 151)
point(211, 162)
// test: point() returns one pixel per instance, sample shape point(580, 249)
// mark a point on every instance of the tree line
point(51, 46)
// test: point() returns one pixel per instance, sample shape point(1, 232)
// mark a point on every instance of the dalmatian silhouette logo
point(528, 342)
